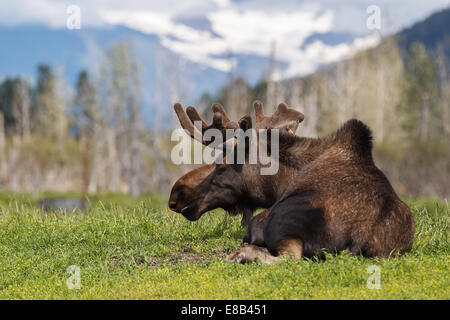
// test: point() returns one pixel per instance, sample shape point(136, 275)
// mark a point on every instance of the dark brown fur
point(328, 195)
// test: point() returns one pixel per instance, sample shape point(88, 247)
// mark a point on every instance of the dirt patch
point(187, 255)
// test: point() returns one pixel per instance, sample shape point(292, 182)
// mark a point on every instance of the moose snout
point(172, 205)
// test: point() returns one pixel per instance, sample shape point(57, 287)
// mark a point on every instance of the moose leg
point(291, 228)
point(252, 253)
point(295, 228)
point(255, 230)
point(290, 246)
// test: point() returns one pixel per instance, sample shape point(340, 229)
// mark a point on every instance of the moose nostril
point(172, 204)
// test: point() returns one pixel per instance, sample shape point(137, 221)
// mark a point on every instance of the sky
point(207, 31)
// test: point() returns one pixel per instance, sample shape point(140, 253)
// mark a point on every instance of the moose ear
point(245, 122)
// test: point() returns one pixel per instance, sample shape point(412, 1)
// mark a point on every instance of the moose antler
point(220, 121)
point(283, 118)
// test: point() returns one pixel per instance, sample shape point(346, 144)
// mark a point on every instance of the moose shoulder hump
point(356, 136)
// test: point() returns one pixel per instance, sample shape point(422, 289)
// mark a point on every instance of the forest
point(91, 136)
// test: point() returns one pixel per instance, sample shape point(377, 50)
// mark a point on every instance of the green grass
point(137, 249)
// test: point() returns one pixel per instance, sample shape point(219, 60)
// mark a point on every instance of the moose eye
point(221, 168)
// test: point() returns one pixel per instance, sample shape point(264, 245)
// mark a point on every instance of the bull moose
point(327, 195)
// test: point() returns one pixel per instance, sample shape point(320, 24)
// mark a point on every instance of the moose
point(327, 195)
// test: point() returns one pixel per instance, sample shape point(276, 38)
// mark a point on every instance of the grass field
point(137, 249)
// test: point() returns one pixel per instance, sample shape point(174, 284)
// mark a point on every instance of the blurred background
point(87, 88)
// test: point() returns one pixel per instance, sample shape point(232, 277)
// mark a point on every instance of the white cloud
point(318, 53)
point(195, 45)
point(222, 3)
point(254, 31)
point(243, 27)
point(39, 11)
point(247, 32)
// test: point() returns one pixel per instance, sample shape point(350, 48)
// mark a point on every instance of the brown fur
point(328, 195)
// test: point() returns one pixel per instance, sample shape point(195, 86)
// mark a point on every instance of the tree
point(48, 112)
point(236, 97)
point(134, 126)
point(15, 104)
point(3, 162)
point(85, 109)
point(444, 80)
point(86, 119)
point(122, 94)
point(389, 71)
point(271, 94)
point(15, 124)
point(420, 93)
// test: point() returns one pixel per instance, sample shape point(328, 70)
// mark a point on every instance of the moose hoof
point(235, 257)
point(251, 253)
point(242, 255)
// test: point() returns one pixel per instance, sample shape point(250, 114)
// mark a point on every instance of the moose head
point(234, 187)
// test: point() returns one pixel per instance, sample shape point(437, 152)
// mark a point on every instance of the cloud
point(241, 27)
point(254, 31)
point(349, 14)
point(196, 45)
point(318, 53)
point(222, 3)
point(39, 11)
point(238, 32)
point(251, 32)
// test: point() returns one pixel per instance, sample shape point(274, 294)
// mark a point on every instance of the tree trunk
point(113, 164)
point(3, 160)
point(85, 171)
point(134, 170)
point(425, 119)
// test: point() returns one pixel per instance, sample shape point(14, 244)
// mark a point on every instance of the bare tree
point(16, 100)
point(86, 114)
point(444, 80)
point(172, 85)
point(121, 75)
point(3, 160)
point(21, 107)
point(134, 126)
point(49, 112)
point(271, 94)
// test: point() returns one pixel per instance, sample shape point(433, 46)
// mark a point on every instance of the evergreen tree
point(48, 112)
point(85, 110)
